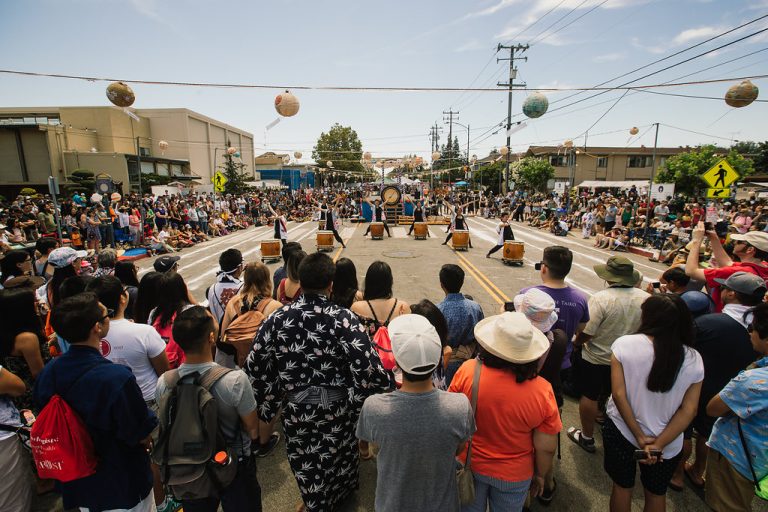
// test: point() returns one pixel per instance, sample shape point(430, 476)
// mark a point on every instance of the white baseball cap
point(415, 344)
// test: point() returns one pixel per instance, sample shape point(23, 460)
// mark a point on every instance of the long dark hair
point(292, 265)
point(378, 281)
point(20, 314)
point(344, 283)
point(59, 276)
point(521, 371)
point(125, 271)
point(667, 320)
point(8, 265)
point(175, 297)
point(147, 297)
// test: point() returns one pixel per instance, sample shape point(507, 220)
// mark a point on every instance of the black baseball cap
point(165, 263)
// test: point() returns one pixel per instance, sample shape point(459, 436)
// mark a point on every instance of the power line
point(568, 24)
point(561, 18)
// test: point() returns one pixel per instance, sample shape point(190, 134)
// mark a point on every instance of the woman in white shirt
point(656, 380)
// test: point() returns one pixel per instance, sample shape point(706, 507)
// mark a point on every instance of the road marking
point(487, 279)
point(468, 270)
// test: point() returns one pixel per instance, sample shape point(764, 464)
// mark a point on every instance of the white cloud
point(657, 49)
point(608, 57)
point(472, 44)
point(695, 34)
point(146, 7)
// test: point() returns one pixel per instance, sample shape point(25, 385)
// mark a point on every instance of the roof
point(605, 150)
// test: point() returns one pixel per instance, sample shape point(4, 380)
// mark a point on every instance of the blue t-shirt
point(461, 315)
point(111, 405)
point(572, 309)
point(747, 396)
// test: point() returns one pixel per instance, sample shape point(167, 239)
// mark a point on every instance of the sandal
point(575, 435)
point(691, 478)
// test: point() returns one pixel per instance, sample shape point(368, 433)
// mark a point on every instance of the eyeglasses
point(110, 313)
point(750, 329)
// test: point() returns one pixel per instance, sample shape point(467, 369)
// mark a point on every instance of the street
point(582, 483)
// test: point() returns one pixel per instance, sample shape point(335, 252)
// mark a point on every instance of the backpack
point(381, 340)
point(189, 437)
point(243, 328)
point(61, 445)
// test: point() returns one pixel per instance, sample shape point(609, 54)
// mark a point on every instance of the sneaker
point(575, 435)
point(266, 449)
point(169, 505)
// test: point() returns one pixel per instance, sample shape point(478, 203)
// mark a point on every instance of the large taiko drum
point(514, 252)
point(377, 230)
point(460, 239)
point(420, 230)
point(325, 240)
point(270, 250)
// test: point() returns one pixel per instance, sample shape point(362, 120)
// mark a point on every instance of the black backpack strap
point(386, 322)
point(372, 311)
point(746, 452)
point(212, 376)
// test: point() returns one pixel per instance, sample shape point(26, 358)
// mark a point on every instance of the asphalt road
point(582, 483)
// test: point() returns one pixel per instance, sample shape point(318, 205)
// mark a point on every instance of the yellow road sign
point(719, 193)
point(721, 175)
point(219, 180)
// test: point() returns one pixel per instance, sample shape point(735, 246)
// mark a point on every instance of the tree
point(532, 173)
point(342, 147)
point(235, 174)
point(685, 169)
point(755, 151)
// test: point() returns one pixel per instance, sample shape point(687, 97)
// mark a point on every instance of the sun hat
point(415, 344)
point(757, 239)
point(64, 256)
point(618, 270)
point(538, 307)
point(165, 263)
point(743, 282)
point(512, 337)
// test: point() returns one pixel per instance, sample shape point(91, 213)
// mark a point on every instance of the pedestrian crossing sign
point(219, 180)
point(719, 193)
point(721, 175)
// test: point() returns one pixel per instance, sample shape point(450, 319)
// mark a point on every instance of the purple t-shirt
point(572, 309)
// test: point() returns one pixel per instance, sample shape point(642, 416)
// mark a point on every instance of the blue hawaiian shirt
point(462, 315)
point(747, 396)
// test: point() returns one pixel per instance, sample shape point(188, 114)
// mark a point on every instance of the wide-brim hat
point(512, 337)
point(618, 270)
point(538, 307)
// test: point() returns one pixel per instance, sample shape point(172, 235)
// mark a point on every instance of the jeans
point(498, 495)
point(242, 495)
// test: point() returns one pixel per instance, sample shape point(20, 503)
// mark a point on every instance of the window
point(162, 169)
point(176, 170)
point(558, 161)
point(602, 161)
point(147, 168)
point(639, 161)
point(144, 151)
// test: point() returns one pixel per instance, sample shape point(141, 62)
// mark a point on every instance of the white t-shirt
point(133, 345)
point(652, 410)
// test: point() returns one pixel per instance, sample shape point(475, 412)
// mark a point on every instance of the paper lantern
point(120, 94)
point(115, 196)
point(367, 156)
point(286, 104)
point(419, 161)
point(237, 154)
point(568, 143)
point(435, 156)
point(231, 151)
point(742, 94)
point(297, 155)
point(163, 145)
point(634, 130)
point(504, 150)
point(535, 105)
point(329, 164)
point(96, 198)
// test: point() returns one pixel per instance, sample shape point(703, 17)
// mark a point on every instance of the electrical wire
point(568, 24)
point(561, 18)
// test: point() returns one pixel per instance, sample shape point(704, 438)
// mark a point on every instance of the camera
point(537, 266)
point(510, 306)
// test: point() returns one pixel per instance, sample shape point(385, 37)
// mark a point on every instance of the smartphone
point(537, 266)
point(708, 226)
point(657, 285)
point(642, 454)
point(510, 306)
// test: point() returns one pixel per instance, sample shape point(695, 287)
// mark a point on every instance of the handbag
point(761, 486)
point(465, 480)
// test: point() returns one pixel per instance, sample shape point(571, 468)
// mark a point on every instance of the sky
point(397, 43)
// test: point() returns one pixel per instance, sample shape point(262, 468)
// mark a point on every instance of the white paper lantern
point(96, 198)
point(297, 155)
point(634, 130)
point(231, 151)
point(329, 164)
point(504, 150)
point(568, 143)
point(115, 196)
point(163, 145)
point(286, 104)
point(435, 156)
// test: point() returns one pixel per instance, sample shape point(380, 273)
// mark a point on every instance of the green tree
point(342, 147)
point(685, 169)
point(235, 174)
point(532, 173)
point(755, 151)
point(489, 176)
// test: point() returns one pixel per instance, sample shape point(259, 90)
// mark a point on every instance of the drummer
point(418, 214)
point(281, 226)
point(329, 217)
point(378, 216)
point(459, 224)
point(505, 233)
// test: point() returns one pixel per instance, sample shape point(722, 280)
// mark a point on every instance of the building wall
point(617, 168)
point(110, 163)
point(31, 145)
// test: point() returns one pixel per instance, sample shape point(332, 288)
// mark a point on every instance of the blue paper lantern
point(535, 105)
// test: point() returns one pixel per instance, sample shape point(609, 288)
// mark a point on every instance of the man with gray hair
point(106, 259)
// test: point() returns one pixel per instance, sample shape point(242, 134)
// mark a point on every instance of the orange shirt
point(507, 414)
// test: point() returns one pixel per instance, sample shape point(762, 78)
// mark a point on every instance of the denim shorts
point(498, 495)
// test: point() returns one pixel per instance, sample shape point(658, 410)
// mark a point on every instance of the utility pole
point(434, 138)
point(520, 48)
point(450, 115)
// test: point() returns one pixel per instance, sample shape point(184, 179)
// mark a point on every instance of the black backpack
point(189, 437)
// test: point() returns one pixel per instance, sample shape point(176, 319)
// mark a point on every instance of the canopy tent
point(613, 184)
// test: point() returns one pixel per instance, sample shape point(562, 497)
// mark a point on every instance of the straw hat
point(512, 337)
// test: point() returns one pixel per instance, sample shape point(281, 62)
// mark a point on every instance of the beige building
point(603, 163)
point(54, 141)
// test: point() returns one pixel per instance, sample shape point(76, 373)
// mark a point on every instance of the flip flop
point(691, 479)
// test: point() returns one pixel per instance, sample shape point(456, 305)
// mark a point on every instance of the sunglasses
point(110, 313)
